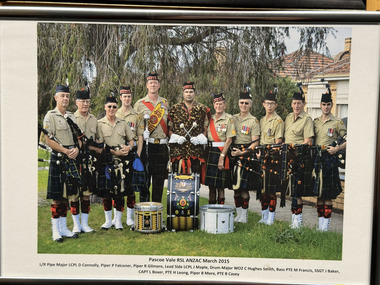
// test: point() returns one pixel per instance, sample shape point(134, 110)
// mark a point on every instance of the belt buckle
point(156, 141)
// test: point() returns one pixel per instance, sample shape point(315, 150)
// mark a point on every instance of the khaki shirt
point(224, 126)
point(296, 131)
point(246, 128)
point(133, 119)
point(141, 109)
point(327, 132)
point(88, 125)
point(271, 129)
point(113, 135)
point(55, 124)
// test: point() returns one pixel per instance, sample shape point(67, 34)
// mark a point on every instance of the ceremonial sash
point(156, 115)
point(216, 138)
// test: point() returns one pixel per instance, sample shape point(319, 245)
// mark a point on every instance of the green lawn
point(247, 240)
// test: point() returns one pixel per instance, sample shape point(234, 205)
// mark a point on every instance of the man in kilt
point(272, 133)
point(246, 172)
point(115, 172)
point(64, 178)
point(327, 130)
point(154, 110)
point(87, 123)
point(188, 121)
point(299, 133)
point(220, 134)
point(135, 122)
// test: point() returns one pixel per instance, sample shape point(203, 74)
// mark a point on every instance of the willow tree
point(217, 58)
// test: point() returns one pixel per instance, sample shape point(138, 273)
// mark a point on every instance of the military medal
point(269, 132)
point(330, 132)
point(245, 130)
point(132, 125)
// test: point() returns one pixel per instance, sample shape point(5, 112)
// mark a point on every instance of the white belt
point(217, 144)
point(158, 141)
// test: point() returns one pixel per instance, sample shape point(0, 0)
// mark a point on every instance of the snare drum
point(148, 217)
point(217, 219)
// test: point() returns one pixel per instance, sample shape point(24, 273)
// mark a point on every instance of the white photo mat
point(18, 134)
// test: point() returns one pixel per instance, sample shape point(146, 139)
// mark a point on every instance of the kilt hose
point(61, 174)
point(214, 176)
point(327, 183)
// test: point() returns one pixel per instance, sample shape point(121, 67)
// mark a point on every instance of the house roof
point(336, 69)
point(300, 67)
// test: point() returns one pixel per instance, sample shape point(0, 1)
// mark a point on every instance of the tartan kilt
point(301, 179)
point(330, 186)
point(272, 173)
point(66, 172)
point(214, 176)
point(158, 159)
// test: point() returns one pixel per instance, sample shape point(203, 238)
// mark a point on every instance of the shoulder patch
point(232, 121)
point(233, 132)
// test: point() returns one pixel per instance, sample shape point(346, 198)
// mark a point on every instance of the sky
point(335, 45)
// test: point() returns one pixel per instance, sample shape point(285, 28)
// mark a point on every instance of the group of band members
point(220, 148)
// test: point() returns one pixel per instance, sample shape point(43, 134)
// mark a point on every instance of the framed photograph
point(292, 4)
point(36, 45)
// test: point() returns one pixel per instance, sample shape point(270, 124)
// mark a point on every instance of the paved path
point(309, 218)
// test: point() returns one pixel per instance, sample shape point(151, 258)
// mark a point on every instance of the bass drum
point(182, 202)
point(217, 219)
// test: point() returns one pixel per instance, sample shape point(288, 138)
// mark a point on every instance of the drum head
point(148, 206)
point(217, 208)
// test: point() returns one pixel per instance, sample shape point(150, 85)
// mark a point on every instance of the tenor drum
point(182, 202)
point(148, 217)
point(217, 219)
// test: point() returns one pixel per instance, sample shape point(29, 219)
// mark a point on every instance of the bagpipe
point(63, 166)
point(246, 169)
point(326, 173)
point(289, 169)
point(113, 172)
point(115, 169)
point(341, 154)
point(61, 157)
point(265, 167)
point(87, 159)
